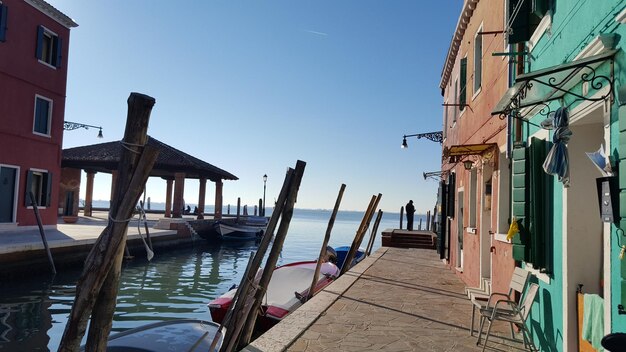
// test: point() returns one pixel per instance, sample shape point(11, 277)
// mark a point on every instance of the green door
point(7, 193)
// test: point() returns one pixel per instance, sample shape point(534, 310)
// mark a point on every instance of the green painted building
point(568, 54)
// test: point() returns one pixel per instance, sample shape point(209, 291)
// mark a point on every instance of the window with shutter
point(524, 17)
point(49, 47)
point(40, 183)
point(4, 13)
point(463, 84)
point(519, 202)
point(541, 201)
point(43, 115)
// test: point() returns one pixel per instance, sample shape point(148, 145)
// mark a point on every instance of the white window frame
point(478, 37)
point(52, 34)
point(15, 189)
point(41, 190)
point(50, 107)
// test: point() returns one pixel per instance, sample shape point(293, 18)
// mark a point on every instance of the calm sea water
point(175, 284)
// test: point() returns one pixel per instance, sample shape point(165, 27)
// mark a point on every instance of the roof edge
point(52, 12)
point(461, 25)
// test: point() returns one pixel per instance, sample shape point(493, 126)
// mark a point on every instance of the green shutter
point(621, 239)
point(28, 186)
point(519, 25)
point(520, 202)
point(541, 200)
point(451, 195)
point(48, 190)
point(462, 88)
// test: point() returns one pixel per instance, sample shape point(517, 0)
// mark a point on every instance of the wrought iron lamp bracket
point(432, 136)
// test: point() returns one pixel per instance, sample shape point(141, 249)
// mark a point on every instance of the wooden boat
point(175, 335)
point(342, 252)
point(230, 229)
point(289, 284)
point(237, 232)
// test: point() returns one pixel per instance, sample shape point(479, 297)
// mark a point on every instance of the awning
point(456, 152)
point(539, 87)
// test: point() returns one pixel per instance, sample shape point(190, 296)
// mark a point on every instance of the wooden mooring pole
point(370, 244)
point(272, 259)
point(96, 290)
point(358, 238)
point(33, 203)
point(322, 255)
point(401, 216)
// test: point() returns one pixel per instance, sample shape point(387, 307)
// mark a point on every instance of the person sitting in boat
point(195, 210)
point(187, 210)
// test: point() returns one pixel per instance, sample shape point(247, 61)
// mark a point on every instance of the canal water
point(175, 284)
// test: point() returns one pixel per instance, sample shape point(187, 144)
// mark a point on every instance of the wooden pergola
point(172, 165)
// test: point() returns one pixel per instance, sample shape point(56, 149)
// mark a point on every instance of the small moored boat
point(237, 232)
point(342, 252)
point(289, 284)
point(175, 335)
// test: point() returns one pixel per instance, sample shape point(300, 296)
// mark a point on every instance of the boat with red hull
point(289, 284)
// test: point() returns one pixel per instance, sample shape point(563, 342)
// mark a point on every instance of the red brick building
point(34, 41)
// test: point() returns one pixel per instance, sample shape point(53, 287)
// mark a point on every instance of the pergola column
point(201, 196)
point(179, 191)
point(168, 198)
point(113, 181)
point(89, 192)
point(218, 199)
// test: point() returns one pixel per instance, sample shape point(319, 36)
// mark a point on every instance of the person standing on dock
point(410, 210)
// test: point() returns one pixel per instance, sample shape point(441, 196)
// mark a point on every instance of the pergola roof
point(104, 157)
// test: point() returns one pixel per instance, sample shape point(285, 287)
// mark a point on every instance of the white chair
point(511, 312)
point(480, 299)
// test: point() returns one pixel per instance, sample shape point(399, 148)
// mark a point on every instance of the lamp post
point(69, 126)
point(264, 185)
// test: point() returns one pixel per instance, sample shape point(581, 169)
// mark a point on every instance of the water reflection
point(176, 284)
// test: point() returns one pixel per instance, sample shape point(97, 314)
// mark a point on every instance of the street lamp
point(264, 185)
point(69, 126)
point(436, 136)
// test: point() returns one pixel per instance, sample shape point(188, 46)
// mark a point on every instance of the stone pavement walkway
point(395, 300)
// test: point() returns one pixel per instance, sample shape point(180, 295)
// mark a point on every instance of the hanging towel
point(513, 229)
point(593, 320)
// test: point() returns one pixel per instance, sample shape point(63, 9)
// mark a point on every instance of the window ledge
point(543, 27)
point(46, 64)
point(501, 237)
point(41, 134)
point(541, 276)
point(477, 92)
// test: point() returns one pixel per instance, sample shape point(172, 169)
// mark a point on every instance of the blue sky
point(252, 86)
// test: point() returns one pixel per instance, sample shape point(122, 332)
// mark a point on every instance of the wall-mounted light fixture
point(433, 136)
point(467, 164)
point(70, 126)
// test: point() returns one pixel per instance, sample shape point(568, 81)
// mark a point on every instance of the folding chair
point(509, 311)
point(480, 299)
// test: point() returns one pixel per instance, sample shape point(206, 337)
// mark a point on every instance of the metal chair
point(511, 312)
point(480, 299)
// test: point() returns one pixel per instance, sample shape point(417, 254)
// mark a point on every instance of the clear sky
point(252, 86)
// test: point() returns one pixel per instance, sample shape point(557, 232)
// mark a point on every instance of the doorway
point(485, 222)
point(8, 188)
point(460, 230)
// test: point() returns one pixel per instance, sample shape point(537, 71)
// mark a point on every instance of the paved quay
point(23, 249)
point(395, 300)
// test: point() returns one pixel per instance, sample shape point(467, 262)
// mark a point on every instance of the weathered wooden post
point(401, 216)
point(322, 255)
point(360, 233)
point(428, 220)
point(272, 258)
point(238, 208)
point(96, 290)
point(370, 244)
point(33, 203)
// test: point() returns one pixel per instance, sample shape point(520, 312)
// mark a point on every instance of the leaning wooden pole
point(360, 234)
point(236, 313)
point(370, 244)
point(93, 297)
point(329, 228)
point(33, 203)
point(272, 259)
